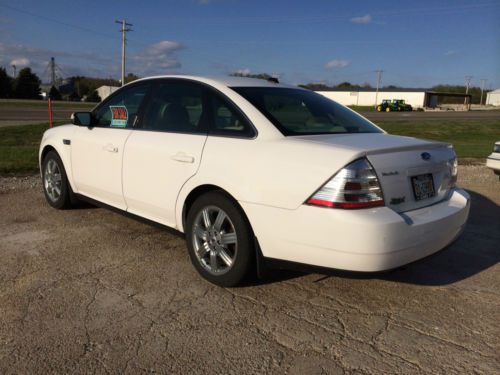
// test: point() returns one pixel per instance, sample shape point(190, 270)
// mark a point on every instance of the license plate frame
point(423, 186)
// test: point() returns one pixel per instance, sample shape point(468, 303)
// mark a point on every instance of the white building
point(368, 97)
point(493, 97)
point(105, 91)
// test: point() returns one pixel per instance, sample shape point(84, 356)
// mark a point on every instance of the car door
point(167, 151)
point(97, 150)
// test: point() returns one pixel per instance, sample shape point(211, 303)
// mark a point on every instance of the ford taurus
point(253, 171)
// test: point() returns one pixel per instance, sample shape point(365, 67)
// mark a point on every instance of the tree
point(54, 94)
point(74, 97)
point(93, 97)
point(5, 84)
point(250, 75)
point(27, 85)
point(130, 77)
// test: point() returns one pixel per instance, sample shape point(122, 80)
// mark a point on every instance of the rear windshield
point(303, 112)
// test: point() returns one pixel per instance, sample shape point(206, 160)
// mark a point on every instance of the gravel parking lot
point(92, 291)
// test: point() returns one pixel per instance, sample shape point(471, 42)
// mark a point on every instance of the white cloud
point(450, 53)
point(362, 20)
point(20, 62)
point(157, 58)
point(337, 64)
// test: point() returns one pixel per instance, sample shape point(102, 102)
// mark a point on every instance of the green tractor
point(401, 105)
point(396, 105)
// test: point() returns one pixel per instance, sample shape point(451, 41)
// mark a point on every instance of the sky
point(416, 43)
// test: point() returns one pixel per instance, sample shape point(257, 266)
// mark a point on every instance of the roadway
point(30, 115)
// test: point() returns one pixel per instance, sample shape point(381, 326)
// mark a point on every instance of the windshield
point(303, 112)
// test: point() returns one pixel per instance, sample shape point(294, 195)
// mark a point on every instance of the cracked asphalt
point(92, 291)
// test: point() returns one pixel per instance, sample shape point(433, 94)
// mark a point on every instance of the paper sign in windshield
point(119, 115)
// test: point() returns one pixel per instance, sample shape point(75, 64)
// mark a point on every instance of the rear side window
point(301, 112)
point(177, 107)
point(121, 109)
point(227, 120)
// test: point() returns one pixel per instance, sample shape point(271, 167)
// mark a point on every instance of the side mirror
point(81, 118)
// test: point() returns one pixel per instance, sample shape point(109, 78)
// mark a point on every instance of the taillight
point(453, 166)
point(354, 186)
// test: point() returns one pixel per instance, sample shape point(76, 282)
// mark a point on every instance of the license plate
point(423, 186)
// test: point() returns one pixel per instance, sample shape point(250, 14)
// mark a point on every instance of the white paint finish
point(493, 98)
point(271, 176)
point(367, 98)
point(493, 160)
point(360, 240)
point(155, 167)
point(54, 137)
point(96, 161)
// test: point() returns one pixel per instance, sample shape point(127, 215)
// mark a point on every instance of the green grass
point(19, 148)
point(471, 138)
point(362, 108)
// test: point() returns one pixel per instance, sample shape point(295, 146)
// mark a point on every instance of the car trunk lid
point(413, 173)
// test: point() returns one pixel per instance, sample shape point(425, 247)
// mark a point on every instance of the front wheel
point(219, 239)
point(55, 183)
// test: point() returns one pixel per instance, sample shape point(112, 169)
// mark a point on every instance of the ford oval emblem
point(425, 155)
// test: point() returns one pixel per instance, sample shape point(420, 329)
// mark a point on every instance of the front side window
point(121, 109)
point(176, 107)
point(303, 112)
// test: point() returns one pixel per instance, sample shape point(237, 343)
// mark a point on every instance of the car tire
point(220, 239)
point(55, 182)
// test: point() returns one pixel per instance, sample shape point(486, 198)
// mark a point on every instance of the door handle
point(182, 157)
point(110, 148)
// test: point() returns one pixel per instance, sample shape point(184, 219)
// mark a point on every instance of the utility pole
point(467, 84)
point(123, 30)
point(52, 65)
point(483, 82)
point(379, 81)
point(14, 69)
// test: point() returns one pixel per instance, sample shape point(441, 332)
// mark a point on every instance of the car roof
point(228, 81)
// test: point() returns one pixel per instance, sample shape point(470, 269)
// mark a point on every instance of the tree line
point(27, 85)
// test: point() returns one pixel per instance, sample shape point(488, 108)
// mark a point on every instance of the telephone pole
point(379, 81)
point(52, 66)
point(483, 82)
point(467, 83)
point(123, 30)
point(14, 69)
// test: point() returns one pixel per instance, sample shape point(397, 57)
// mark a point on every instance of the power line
point(124, 29)
point(57, 21)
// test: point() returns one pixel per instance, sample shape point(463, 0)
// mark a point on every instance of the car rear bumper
point(493, 162)
point(366, 240)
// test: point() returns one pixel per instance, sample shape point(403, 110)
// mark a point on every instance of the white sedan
point(256, 173)
point(493, 161)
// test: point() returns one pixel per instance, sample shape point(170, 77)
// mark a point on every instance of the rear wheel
point(55, 183)
point(379, 108)
point(220, 240)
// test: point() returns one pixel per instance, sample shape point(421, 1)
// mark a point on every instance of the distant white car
point(255, 172)
point(493, 161)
